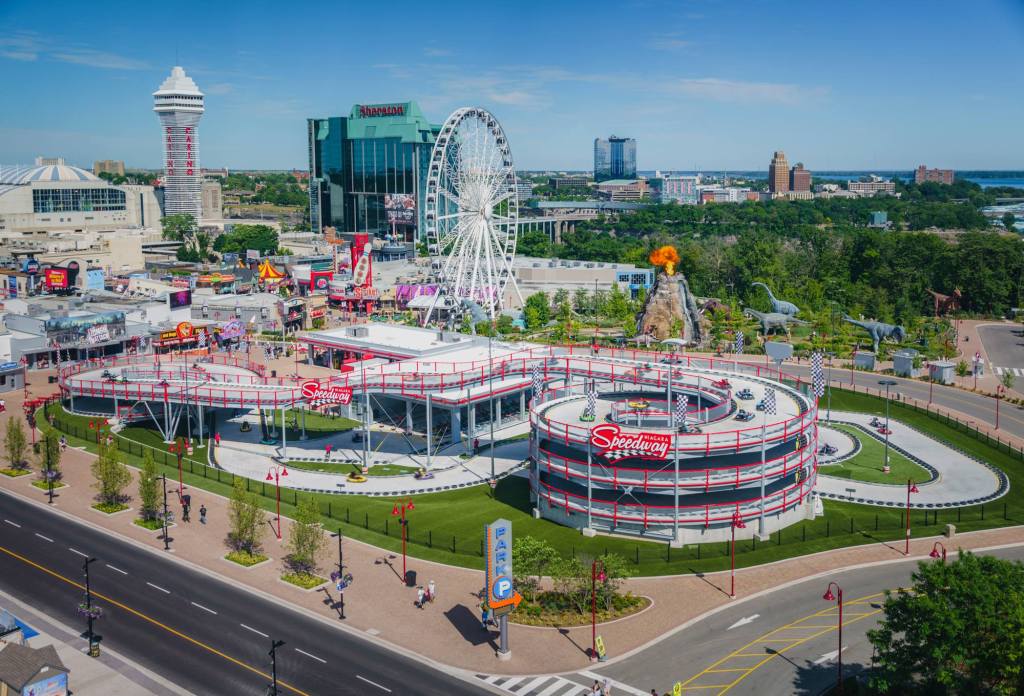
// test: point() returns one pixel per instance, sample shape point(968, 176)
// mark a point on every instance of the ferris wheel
point(471, 214)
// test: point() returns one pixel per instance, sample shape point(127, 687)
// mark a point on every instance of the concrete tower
point(179, 104)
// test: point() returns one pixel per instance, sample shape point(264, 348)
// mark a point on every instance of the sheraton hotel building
point(368, 171)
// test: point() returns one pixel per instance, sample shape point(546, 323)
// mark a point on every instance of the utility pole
point(167, 541)
point(93, 648)
point(341, 571)
point(274, 645)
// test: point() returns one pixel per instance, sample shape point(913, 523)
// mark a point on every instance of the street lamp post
point(167, 541)
point(274, 474)
point(93, 652)
point(885, 459)
point(594, 577)
point(838, 597)
point(1000, 394)
point(341, 570)
point(49, 465)
point(736, 523)
point(911, 488)
point(401, 510)
point(274, 645)
point(935, 551)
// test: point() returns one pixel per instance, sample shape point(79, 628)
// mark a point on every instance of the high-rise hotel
point(179, 104)
point(778, 173)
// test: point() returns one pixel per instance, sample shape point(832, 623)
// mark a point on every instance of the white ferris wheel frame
point(471, 238)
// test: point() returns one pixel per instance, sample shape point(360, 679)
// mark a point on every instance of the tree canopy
point(242, 237)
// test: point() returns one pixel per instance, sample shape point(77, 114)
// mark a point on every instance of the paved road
point(193, 629)
point(784, 645)
point(1004, 345)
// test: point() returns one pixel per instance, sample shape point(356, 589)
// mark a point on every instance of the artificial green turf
point(448, 527)
point(866, 465)
point(341, 468)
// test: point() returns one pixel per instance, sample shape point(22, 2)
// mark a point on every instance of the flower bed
point(553, 609)
point(110, 508)
point(45, 485)
point(246, 559)
point(304, 580)
point(151, 525)
point(15, 473)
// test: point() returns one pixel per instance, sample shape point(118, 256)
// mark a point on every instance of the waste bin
point(410, 578)
point(52, 379)
point(273, 373)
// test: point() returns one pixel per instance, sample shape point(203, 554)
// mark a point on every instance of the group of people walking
point(425, 594)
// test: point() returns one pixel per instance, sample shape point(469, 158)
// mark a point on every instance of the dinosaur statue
point(772, 321)
point(944, 304)
point(716, 305)
point(879, 330)
point(779, 306)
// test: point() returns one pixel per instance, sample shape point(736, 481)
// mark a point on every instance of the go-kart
point(743, 416)
point(423, 474)
point(356, 478)
point(875, 423)
point(721, 384)
point(884, 431)
point(828, 449)
point(745, 394)
point(759, 405)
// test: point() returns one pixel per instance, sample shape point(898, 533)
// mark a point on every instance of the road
point(1004, 347)
point(780, 643)
point(195, 630)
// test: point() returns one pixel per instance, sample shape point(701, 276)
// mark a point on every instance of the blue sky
point(712, 85)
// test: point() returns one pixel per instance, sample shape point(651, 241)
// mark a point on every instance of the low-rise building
point(213, 200)
point(569, 181)
point(108, 166)
point(549, 275)
point(872, 186)
point(684, 190)
point(623, 189)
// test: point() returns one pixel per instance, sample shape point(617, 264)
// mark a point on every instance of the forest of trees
point(821, 251)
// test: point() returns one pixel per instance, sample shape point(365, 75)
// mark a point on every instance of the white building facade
point(179, 104)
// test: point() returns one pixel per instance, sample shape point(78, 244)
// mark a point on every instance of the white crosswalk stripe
point(1000, 371)
point(535, 686)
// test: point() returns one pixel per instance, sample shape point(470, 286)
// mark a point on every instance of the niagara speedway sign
point(317, 395)
point(614, 444)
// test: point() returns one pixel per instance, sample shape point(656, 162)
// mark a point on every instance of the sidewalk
point(448, 631)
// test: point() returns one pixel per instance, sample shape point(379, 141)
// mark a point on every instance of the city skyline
point(865, 88)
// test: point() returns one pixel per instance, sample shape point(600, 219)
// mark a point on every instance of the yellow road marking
point(151, 620)
point(831, 611)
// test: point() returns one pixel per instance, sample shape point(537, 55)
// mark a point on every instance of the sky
point(702, 85)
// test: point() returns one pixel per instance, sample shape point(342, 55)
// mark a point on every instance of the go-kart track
point(612, 448)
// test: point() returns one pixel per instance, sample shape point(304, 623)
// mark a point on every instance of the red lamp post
point(1000, 394)
point(594, 577)
point(399, 510)
point(178, 447)
point(935, 551)
point(829, 597)
point(736, 523)
point(274, 474)
point(911, 488)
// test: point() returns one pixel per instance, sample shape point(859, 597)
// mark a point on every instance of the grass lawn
point(15, 473)
point(43, 485)
point(317, 425)
point(110, 508)
point(866, 465)
point(447, 527)
point(151, 525)
point(339, 468)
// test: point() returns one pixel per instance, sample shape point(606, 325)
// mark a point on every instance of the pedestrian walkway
point(535, 686)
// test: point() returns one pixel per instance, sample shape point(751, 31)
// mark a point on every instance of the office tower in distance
point(108, 166)
point(778, 173)
point(179, 104)
point(614, 158)
point(939, 176)
point(799, 178)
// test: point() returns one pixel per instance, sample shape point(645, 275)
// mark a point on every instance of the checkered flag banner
point(769, 402)
point(538, 380)
point(202, 339)
point(738, 347)
point(817, 374)
point(679, 417)
point(591, 403)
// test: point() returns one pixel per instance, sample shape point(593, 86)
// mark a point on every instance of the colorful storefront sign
point(317, 395)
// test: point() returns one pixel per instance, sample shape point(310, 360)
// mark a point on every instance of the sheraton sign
point(317, 395)
point(381, 110)
point(614, 444)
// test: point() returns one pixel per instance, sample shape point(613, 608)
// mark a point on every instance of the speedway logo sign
point(611, 442)
point(317, 395)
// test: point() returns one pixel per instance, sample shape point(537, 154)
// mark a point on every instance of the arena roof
point(48, 172)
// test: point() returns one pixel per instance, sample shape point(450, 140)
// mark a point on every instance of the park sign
point(317, 395)
point(501, 595)
point(610, 441)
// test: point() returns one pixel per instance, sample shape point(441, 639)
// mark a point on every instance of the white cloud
point(100, 59)
point(29, 46)
point(434, 52)
point(718, 89)
point(218, 88)
point(19, 55)
point(668, 42)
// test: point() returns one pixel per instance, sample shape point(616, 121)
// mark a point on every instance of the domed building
point(40, 200)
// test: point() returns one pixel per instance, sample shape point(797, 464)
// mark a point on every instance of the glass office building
point(368, 171)
point(614, 158)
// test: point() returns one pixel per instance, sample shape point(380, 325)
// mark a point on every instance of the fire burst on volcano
point(666, 256)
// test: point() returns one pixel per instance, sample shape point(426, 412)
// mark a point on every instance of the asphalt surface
point(1004, 344)
point(193, 629)
point(795, 623)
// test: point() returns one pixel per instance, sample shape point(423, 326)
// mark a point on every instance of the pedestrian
point(202, 514)
point(419, 596)
point(63, 443)
point(483, 615)
point(184, 513)
point(431, 588)
point(216, 439)
point(327, 449)
point(596, 690)
point(606, 688)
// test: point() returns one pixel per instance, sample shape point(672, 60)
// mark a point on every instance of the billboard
point(400, 208)
point(500, 592)
point(12, 286)
point(56, 278)
point(94, 279)
point(320, 280)
point(180, 298)
point(56, 685)
point(317, 395)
